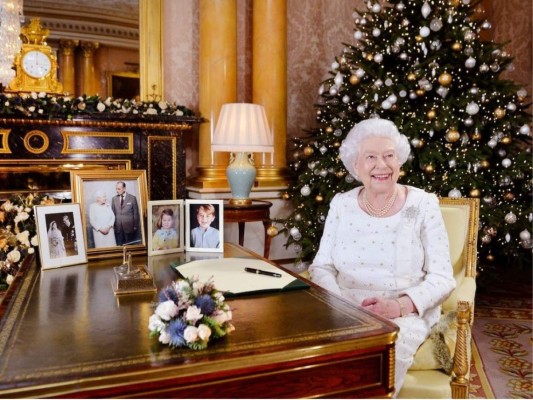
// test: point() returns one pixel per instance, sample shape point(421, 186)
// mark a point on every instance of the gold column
point(151, 49)
point(270, 83)
point(218, 84)
point(68, 65)
point(87, 68)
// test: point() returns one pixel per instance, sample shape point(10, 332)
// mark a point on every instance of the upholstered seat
point(449, 344)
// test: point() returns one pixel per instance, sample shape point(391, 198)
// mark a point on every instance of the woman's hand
point(390, 308)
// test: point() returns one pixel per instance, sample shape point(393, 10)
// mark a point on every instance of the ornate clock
point(35, 64)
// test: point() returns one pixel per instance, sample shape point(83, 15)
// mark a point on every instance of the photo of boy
point(204, 235)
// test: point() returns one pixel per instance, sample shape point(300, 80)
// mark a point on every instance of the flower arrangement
point(190, 314)
point(44, 105)
point(18, 236)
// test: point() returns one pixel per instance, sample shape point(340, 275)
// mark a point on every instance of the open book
point(230, 276)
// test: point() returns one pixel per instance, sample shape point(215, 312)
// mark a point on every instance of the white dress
point(101, 216)
point(362, 256)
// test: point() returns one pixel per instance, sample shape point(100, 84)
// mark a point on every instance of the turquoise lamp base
point(241, 174)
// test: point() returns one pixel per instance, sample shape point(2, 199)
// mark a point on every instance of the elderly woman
point(102, 219)
point(384, 245)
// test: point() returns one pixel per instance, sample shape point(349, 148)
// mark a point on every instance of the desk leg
point(266, 224)
point(241, 233)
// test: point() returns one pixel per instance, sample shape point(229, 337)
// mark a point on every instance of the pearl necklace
point(381, 211)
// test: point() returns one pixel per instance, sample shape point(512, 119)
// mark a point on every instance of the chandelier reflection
point(10, 19)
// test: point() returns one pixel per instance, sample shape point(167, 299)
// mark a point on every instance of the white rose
point(9, 279)
point(190, 334)
point(31, 108)
point(204, 332)
point(155, 323)
point(27, 209)
point(163, 105)
point(179, 113)
point(219, 297)
point(100, 106)
point(33, 95)
point(151, 111)
point(31, 250)
point(23, 237)
point(193, 314)
point(42, 95)
point(6, 103)
point(7, 206)
point(34, 241)
point(164, 337)
point(21, 216)
point(220, 317)
point(135, 111)
point(13, 256)
point(197, 287)
point(108, 101)
point(167, 310)
point(40, 111)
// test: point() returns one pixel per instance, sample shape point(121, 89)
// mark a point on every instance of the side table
point(259, 210)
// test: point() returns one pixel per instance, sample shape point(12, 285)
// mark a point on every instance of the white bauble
point(305, 190)
point(525, 130)
point(424, 31)
point(472, 108)
point(386, 104)
point(454, 194)
point(525, 235)
point(510, 218)
point(506, 162)
point(470, 62)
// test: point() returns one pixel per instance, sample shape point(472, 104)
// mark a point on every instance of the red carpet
point(503, 339)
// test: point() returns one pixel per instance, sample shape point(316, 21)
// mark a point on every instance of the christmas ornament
point(376, 7)
point(525, 130)
point(445, 79)
point(323, 149)
point(492, 143)
point(442, 91)
point(400, 6)
point(454, 194)
point(333, 90)
point(452, 163)
point(508, 196)
point(484, 164)
point(506, 140)
point(475, 193)
point(506, 162)
point(354, 79)
point(338, 79)
point(431, 114)
point(486, 239)
point(378, 58)
point(346, 99)
point(358, 35)
point(452, 135)
point(469, 121)
point(376, 32)
point(411, 76)
point(286, 196)
point(294, 231)
point(429, 169)
point(525, 235)
point(420, 92)
point(426, 10)
point(272, 231)
point(476, 136)
point(483, 68)
point(470, 62)
point(457, 46)
point(435, 25)
point(424, 31)
point(319, 198)
point(489, 258)
point(308, 150)
point(305, 190)
point(298, 217)
point(472, 108)
point(510, 218)
point(499, 113)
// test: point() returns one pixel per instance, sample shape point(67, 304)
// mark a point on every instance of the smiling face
point(377, 165)
point(204, 218)
point(166, 221)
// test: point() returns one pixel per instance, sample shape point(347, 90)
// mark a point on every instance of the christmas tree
point(423, 65)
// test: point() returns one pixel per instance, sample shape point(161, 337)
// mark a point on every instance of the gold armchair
point(442, 363)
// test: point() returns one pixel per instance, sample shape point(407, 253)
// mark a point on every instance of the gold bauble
point(484, 164)
point(489, 258)
point(431, 114)
point(337, 144)
point(454, 3)
point(475, 193)
point(429, 169)
point(286, 196)
point(369, 57)
point(499, 113)
point(272, 231)
point(296, 155)
point(308, 150)
point(420, 92)
point(339, 174)
point(418, 38)
point(506, 140)
point(319, 198)
point(457, 46)
point(445, 79)
point(402, 173)
point(411, 76)
point(509, 196)
point(329, 129)
point(476, 136)
point(452, 135)
point(354, 79)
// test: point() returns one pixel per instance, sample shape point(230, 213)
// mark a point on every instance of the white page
point(229, 274)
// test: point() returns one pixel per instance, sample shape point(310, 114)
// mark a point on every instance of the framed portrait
point(165, 227)
point(61, 235)
point(113, 210)
point(204, 225)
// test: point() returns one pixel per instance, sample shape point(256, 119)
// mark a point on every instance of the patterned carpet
point(503, 337)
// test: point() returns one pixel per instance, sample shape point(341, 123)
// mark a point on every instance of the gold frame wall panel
point(34, 150)
point(68, 135)
point(172, 139)
point(4, 145)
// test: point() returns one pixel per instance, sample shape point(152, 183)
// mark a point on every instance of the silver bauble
point(361, 109)
point(386, 104)
point(470, 62)
point(346, 99)
point(472, 108)
point(294, 231)
point(435, 25)
point(454, 194)
point(525, 130)
point(510, 218)
point(525, 235)
point(400, 6)
point(376, 32)
point(506, 162)
point(469, 122)
point(424, 31)
point(492, 143)
point(305, 191)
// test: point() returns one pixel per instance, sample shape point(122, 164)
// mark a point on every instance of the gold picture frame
point(110, 222)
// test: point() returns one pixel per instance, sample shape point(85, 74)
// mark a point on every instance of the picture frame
point(214, 207)
point(163, 240)
point(61, 235)
point(109, 223)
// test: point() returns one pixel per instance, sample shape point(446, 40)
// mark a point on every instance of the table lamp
point(242, 128)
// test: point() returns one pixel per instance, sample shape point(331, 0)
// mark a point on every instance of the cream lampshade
point(242, 128)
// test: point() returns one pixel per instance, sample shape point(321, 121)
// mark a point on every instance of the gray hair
point(99, 193)
point(373, 127)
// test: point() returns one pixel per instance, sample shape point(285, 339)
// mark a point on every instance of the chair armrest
point(465, 291)
point(463, 352)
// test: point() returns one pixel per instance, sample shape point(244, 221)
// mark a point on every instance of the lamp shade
point(242, 127)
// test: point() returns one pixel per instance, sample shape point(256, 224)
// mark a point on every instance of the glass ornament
point(506, 162)
point(424, 31)
point(525, 130)
point(510, 218)
point(376, 32)
point(426, 10)
point(435, 25)
point(454, 194)
point(305, 190)
point(470, 62)
point(472, 108)
point(525, 235)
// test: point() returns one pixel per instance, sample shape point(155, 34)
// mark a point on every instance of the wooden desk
point(259, 210)
point(65, 334)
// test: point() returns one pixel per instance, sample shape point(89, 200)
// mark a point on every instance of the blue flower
point(175, 330)
point(206, 304)
point(168, 293)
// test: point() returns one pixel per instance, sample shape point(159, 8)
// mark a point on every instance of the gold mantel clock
point(35, 64)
